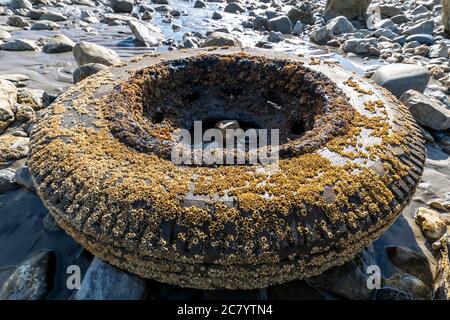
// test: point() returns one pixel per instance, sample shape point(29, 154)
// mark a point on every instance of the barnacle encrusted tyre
point(350, 158)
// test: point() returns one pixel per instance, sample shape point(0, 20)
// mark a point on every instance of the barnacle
point(100, 160)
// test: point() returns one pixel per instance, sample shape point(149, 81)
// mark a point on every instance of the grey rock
point(413, 262)
point(421, 38)
point(86, 52)
point(388, 10)
point(20, 45)
point(302, 12)
point(7, 180)
point(280, 24)
point(199, 4)
point(361, 46)
point(425, 27)
point(275, 36)
point(400, 19)
point(87, 70)
point(8, 98)
point(410, 284)
point(298, 28)
point(383, 32)
point(4, 35)
point(147, 15)
point(220, 39)
point(45, 25)
point(146, 33)
point(352, 9)
point(58, 43)
point(20, 4)
point(399, 78)
point(53, 16)
point(233, 7)
point(122, 6)
point(389, 293)
point(216, 16)
point(340, 25)
point(160, 1)
point(260, 22)
point(35, 14)
point(18, 21)
point(105, 282)
point(321, 36)
point(426, 111)
point(23, 178)
point(439, 50)
point(30, 280)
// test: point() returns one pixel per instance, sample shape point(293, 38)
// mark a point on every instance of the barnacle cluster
point(100, 161)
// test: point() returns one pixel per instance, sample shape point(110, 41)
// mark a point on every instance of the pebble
point(220, 39)
point(430, 223)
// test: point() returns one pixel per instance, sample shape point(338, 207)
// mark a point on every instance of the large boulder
point(105, 282)
point(352, 9)
point(446, 15)
point(427, 112)
point(86, 52)
point(399, 78)
point(221, 39)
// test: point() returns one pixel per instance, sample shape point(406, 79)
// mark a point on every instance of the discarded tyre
point(350, 158)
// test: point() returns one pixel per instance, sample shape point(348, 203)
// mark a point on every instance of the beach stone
point(421, 38)
point(216, 16)
point(35, 14)
point(298, 28)
point(86, 52)
point(321, 36)
point(425, 27)
point(399, 78)
point(31, 97)
point(122, 6)
point(4, 35)
point(105, 282)
point(280, 24)
point(390, 293)
point(302, 12)
point(275, 36)
point(352, 9)
point(410, 284)
point(7, 180)
point(20, 4)
point(221, 39)
point(58, 43)
point(53, 16)
point(199, 4)
point(426, 111)
point(160, 1)
point(439, 50)
point(18, 21)
point(87, 70)
point(24, 113)
point(20, 45)
point(430, 223)
point(361, 46)
point(23, 178)
point(146, 34)
point(234, 7)
point(8, 97)
point(29, 281)
point(388, 10)
point(13, 148)
point(383, 32)
point(340, 25)
point(400, 19)
point(422, 50)
point(45, 25)
point(446, 15)
point(413, 262)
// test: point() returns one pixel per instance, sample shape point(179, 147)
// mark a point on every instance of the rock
point(23, 178)
point(31, 97)
point(340, 25)
point(298, 28)
point(422, 50)
point(220, 39)
point(302, 12)
point(400, 19)
point(446, 15)
point(430, 223)
point(7, 180)
point(383, 32)
point(425, 27)
point(35, 14)
point(50, 224)
point(18, 21)
point(20, 45)
point(30, 280)
point(87, 70)
point(24, 113)
point(45, 25)
point(361, 46)
point(321, 36)
point(105, 282)
point(20, 4)
point(399, 78)
point(147, 15)
point(216, 16)
point(280, 24)
point(233, 7)
point(146, 34)
point(410, 284)
point(389, 293)
point(439, 50)
point(275, 36)
point(160, 1)
point(86, 52)
point(421, 38)
point(13, 148)
point(426, 111)
point(4, 35)
point(199, 4)
point(352, 9)
point(122, 6)
point(58, 43)
point(388, 10)
point(8, 97)
point(53, 16)
point(412, 262)
point(260, 22)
